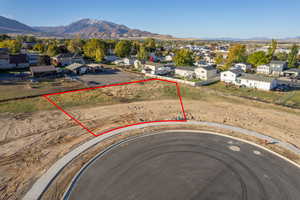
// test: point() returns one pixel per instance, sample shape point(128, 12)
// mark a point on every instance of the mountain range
point(92, 28)
point(85, 28)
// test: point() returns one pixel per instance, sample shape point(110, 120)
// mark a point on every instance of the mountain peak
point(86, 28)
point(90, 21)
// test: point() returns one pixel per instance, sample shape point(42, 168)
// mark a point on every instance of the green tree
point(110, 45)
point(281, 56)
point(237, 53)
point(292, 57)
point(150, 44)
point(94, 48)
point(14, 46)
point(219, 59)
point(135, 47)
point(183, 57)
point(258, 58)
point(272, 49)
point(142, 53)
point(40, 47)
point(52, 50)
point(123, 48)
point(99, 54)
point(75, 45)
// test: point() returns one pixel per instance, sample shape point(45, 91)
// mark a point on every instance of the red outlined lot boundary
point(46, 96)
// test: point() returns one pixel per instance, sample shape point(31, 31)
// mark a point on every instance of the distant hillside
point(13, 26)
point(86, 28)
point(90, 28)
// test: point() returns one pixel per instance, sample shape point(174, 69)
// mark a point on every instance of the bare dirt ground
point(30, 143)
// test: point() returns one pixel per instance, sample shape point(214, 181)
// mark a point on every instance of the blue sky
point(181, 18)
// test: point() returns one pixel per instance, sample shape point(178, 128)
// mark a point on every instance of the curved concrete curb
point(45, 180)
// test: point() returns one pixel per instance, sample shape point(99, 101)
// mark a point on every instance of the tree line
point(97, 49)
point(238, 53)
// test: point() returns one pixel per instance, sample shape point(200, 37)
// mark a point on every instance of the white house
point(118, 62)
point(275, 68)
point(230, 76)
point(168, 58)
point(128, 61)
point(186, 72)
point(137, 64)
point(67, 59)
point(242, 66)
point(209, 59)
point(205, 73)
point(263, 69)
point(278, 67)
point(257, 81)
point(151, 67)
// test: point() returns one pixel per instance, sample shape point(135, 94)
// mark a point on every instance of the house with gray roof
point(292, 72)
point(42, 71)
point(206, 72)
point(249, 80)
point(67, 59)
point(230, 76)
point(257, 81)
point(185, 72)
point(77, 68)
point(277, 67)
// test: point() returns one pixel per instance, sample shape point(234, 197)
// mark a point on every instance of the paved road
point(189, 166)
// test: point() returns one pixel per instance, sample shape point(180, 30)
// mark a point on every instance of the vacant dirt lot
point(31, 142)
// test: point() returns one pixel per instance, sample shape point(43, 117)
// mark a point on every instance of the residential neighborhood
point(207, 63)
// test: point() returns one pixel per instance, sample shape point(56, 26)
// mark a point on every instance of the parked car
point(93, 83)
point(282, 88)
point(33, 80)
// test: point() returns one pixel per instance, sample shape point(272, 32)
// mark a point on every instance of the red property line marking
point(117, 84)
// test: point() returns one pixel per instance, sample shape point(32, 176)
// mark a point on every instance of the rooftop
point(74, 66)
point(208, 67)
point(154, 64)
point(236, 71)
point(278, 62)
point(187, 68)
point(257, 77)
point(293, 70)
point(67, 55)
point(18, 58)
point(41, 69)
